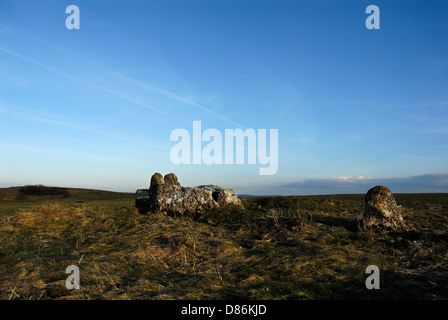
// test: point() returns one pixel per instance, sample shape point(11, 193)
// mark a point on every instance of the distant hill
point(51, 193)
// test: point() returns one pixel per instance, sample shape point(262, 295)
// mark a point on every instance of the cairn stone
point(171, 178)
point(167, 195)
point(381, 211)
point(220, 195)
point(156, 179)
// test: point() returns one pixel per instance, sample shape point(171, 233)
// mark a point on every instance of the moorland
point(277, 247)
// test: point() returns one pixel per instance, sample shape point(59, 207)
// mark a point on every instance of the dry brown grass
point(261, 252)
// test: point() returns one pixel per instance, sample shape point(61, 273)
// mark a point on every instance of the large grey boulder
point(381, 211)
point(220, 195)
point(167, 195)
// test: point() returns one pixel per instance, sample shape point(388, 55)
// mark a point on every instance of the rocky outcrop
point(167, 195)
point(171, 178)
point(381, 211)
point(220, 195)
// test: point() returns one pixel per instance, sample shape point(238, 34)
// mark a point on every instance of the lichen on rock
point(167, 195)
point(381, 211)
point(156, 179)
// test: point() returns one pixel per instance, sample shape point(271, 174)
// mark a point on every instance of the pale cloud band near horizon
point(426, 183)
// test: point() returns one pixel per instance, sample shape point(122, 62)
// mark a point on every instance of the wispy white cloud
point(15, 81)
point(351, 179)
point(55, 152)
point(305, 140)
point(134, 82)
point(93, 85)
point(171, 95)
point(82, 125)
point(443, 129)
point(95, 129)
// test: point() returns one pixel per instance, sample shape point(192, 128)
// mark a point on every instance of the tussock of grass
point(276, 248)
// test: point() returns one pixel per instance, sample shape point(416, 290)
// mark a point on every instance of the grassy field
point(12, 201)
point(294, 247)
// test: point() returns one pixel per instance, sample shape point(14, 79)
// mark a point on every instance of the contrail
point(170, 95)
point(89, 128)
point(206, 109)
point(193, 103)
point(87, 83)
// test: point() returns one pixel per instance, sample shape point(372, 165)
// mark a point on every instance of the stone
point(167, 195)
point(381, 211)
point(213, 189)
point(228, 196)
point(171, 178)
point(220, 195)
point(156, 179)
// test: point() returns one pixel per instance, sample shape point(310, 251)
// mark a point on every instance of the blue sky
point(95, 107)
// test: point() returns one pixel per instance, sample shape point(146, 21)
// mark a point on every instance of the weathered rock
point(167, 195)
point(171, 178)
point(381, 211)
point(220, 195)
point(212, 189)
point(156, 179)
